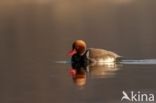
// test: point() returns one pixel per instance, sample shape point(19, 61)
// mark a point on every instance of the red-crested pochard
point(80, 53)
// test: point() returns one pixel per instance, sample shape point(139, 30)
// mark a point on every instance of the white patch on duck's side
point(109, 61)
point(106, 61)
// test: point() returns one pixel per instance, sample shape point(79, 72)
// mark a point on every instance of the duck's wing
point(101, 53)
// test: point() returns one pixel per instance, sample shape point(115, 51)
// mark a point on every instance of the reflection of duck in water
point(79, 72)
point(81, 54)
point(104, 71)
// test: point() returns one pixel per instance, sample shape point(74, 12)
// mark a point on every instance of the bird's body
point(94, 55)
point(101, 55)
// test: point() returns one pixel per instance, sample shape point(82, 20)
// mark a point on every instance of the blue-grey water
point(35, 36)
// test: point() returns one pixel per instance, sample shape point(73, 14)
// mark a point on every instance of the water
point(35, 36)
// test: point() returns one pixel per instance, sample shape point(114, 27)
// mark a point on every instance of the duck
point(81, 54)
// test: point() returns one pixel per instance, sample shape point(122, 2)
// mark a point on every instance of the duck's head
point(78, 47)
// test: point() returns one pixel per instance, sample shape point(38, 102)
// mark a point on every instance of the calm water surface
point(34, 34)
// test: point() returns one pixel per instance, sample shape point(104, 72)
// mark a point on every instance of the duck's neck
point(84, 53)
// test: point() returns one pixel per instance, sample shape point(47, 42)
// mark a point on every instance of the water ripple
point(141, 61)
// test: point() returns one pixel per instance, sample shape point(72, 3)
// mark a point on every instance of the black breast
point(82, 59)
